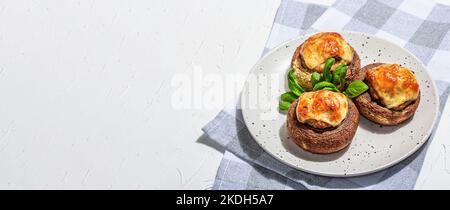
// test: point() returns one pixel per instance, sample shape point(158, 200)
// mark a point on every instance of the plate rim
point(362, 173)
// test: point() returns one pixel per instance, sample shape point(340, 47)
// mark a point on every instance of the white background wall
point(85, 89)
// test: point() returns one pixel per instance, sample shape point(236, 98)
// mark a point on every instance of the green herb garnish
point(332, 81)
point(284, 105)
point(293, 85)
point(315, 78)
point(328, 85)
point(327, 69)
point(339, 76)
point(356, 88)
point(288, 97)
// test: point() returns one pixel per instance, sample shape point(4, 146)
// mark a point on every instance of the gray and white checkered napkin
point(422, 27)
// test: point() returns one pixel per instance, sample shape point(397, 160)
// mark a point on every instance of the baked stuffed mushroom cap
point(393, 95)
point(311, 56)
point(322, 122)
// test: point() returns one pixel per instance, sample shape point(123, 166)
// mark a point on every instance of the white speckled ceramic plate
point(373, 148)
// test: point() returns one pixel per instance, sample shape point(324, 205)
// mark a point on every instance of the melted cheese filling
point(318, 48)
point(322, 109)
point(392, 85)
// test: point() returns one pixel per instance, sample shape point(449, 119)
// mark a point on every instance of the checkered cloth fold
point(422, 27)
